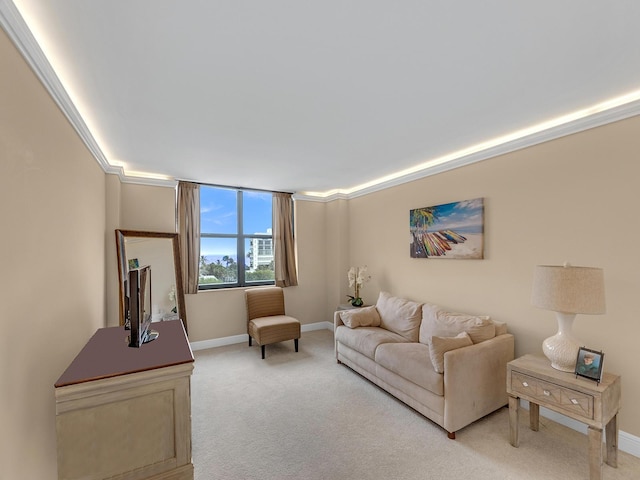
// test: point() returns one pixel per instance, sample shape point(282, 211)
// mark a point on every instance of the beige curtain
point(189, 230)
point(284, 248)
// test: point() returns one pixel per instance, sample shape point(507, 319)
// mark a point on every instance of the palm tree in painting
point(420, 220)
point(429, 244)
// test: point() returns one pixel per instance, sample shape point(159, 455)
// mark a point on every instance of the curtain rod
point(234, 187)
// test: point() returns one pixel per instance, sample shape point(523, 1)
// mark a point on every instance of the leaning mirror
point(162, 252)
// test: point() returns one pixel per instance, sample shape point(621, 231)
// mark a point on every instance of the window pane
point(218, 260)
point(256, 208)
point(260, 266)
point(218, 210)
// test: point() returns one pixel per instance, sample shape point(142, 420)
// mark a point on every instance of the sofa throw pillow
point(438, 346)
point(399, 315)
point(501, 327)
point(360, 317)
point(438, 322)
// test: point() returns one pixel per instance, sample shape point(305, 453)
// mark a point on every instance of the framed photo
point(133, 263)
point(589, 364)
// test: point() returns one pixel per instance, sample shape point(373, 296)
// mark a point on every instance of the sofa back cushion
point(438, 322)
point(360, 317)
point(400, 315)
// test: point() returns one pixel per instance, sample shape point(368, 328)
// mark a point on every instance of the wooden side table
point(532, 378)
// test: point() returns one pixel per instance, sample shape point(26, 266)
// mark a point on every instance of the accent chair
point(267, 322)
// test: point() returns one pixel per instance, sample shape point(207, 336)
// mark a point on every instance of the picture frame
point(589, 364)
point(448, 231)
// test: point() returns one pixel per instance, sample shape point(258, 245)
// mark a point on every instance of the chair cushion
point(365, 340)
point(411, 361)
point(277, 328)
point(360, 317)
point(399, 315)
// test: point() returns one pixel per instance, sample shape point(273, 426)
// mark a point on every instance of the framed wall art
point(451, 230)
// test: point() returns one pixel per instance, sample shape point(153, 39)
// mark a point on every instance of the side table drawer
point(552, 395)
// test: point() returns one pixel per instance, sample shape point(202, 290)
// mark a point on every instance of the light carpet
point(303, 416)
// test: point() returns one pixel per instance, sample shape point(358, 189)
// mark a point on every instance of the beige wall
point(144, 207)
point(574, 199)
point(52, 211)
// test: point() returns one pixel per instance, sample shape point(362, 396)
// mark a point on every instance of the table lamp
point(567, 290)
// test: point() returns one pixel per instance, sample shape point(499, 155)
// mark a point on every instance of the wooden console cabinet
point(125, 413)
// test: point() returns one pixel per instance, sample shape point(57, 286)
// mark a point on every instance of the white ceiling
point(317, 95)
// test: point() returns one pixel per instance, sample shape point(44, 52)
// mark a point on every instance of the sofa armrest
point(337, 321)
point(475, 380)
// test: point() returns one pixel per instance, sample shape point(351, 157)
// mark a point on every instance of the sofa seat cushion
point(366, 339)
point(273, 329)
point(400, 315)
point(438, 322)
point(411, 361)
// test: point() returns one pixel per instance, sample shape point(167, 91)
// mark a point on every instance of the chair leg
point(262, 348)
point(295, 340)
point(249, 340)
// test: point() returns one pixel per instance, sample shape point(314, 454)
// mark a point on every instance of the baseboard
point(221, 342)
point(626, 442)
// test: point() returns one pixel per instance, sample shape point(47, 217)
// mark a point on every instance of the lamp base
point(562, 348)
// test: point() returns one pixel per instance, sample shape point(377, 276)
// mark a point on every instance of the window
point(236, 240)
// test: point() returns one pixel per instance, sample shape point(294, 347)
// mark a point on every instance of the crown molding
point(321, 199)
point(18, 31)
point(16, 28)
point(598, 119)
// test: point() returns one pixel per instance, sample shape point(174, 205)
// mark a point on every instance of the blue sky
point(462, 217)
point(218, 210)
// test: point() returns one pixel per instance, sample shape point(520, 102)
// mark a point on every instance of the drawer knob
point(546, 392)
point(525, 384)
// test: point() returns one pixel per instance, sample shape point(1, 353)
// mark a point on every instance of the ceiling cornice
point(18, 31)
point(614, 114)
point(16, 28)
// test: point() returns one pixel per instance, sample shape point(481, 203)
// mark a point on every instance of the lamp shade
point(569, 289)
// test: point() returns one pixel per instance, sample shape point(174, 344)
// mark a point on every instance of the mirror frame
point(177, 265)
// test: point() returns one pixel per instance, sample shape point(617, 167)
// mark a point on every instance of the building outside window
point(261, 252)
point(236, 239)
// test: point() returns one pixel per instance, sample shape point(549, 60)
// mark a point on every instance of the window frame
point(241, 238)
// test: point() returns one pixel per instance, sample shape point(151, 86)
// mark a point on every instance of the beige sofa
point(450, 367)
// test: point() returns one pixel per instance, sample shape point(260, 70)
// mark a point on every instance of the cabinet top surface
point(540, 367)
point(107, 354)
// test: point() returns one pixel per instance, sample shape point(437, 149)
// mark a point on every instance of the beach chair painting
point(451, 230)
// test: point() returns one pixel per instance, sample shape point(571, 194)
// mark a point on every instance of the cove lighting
point(151, 176)
point(487, 145)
